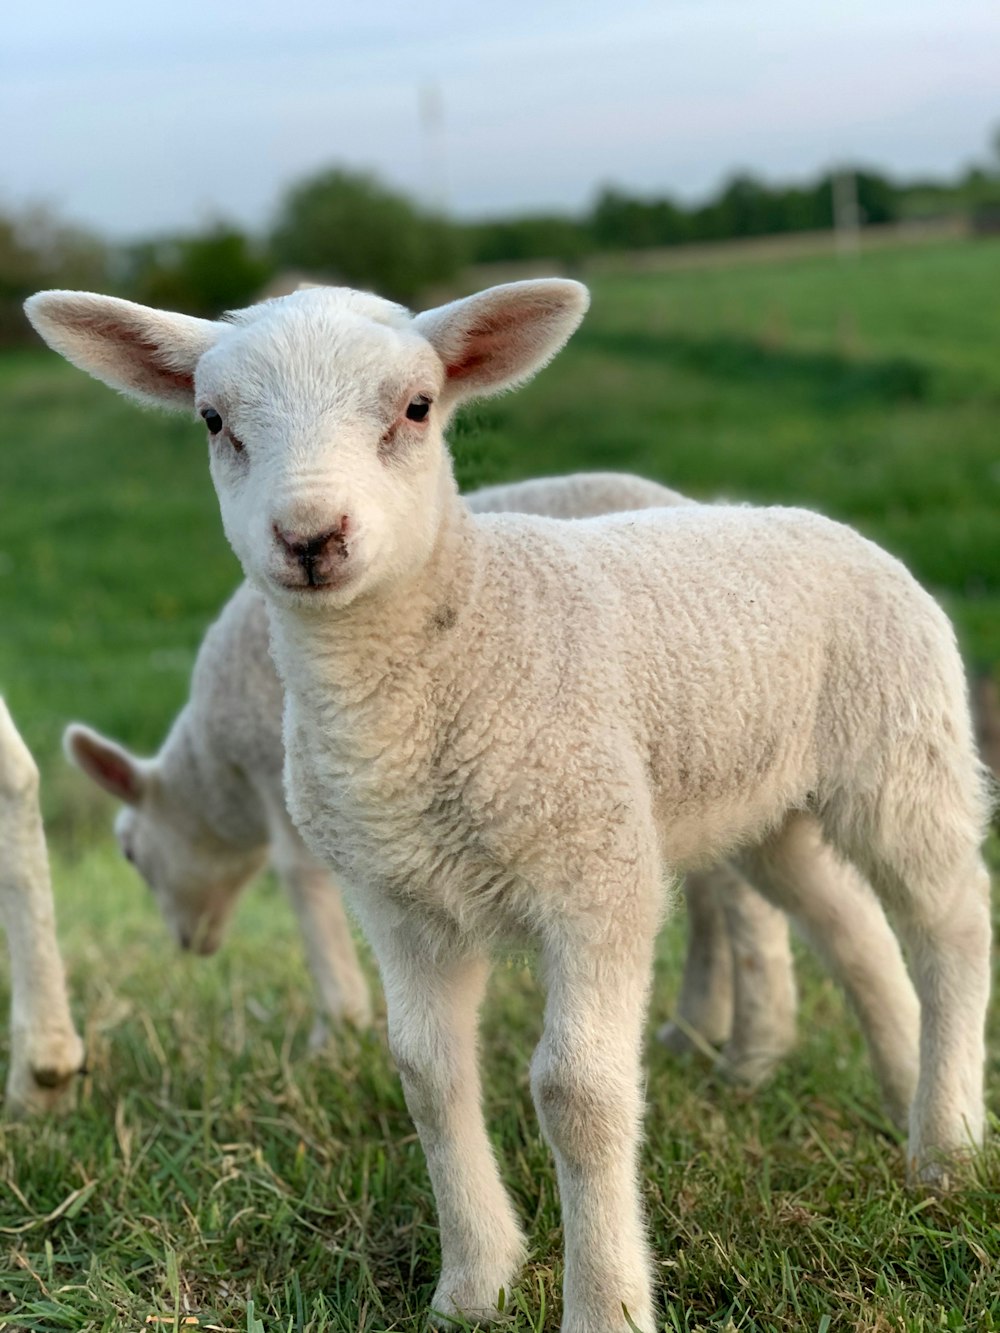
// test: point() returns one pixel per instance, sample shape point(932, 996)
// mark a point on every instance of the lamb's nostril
point(307, 549)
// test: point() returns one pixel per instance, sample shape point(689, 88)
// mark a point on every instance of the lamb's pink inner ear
point(107, 764)
point(501, 337)
point(150, 354)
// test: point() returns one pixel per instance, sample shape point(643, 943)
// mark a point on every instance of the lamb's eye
point(212, 420)
point(418, 409)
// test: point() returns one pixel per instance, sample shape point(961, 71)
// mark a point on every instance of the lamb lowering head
point(324, 410)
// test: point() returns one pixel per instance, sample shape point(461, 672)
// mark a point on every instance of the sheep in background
point(201, 818)
point(45, 1052)
point(502, 727)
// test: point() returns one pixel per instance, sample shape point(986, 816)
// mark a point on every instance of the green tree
point(205, 274)
point(349, 228)
point(37, 251)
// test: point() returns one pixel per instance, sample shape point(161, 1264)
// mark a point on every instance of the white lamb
point(45, 1052)
point(203, 816)
point(503, 728)
point(208, 811)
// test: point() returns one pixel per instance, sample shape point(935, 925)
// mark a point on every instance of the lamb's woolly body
point(670, 653)
point(502, 726)
point(45, 1051)
point(219, 806)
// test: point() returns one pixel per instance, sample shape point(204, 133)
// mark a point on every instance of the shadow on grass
point(834, 379)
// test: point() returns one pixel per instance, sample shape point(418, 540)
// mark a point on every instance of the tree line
point(348, 227)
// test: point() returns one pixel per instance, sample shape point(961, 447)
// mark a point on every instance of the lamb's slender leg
point(433, 1002)
point(45, 1050)
point(949, 946)
point(344, 995)
point(844, 921)
point(705, 1002)
point(765, 997)
point(586, 1080)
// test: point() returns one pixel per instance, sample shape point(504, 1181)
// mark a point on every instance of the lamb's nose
point(306, 548)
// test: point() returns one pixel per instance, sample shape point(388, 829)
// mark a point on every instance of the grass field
point(212, 1166)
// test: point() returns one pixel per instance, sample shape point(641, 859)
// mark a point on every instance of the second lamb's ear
point(148, 354)
point(109, 765)
point(502, 336)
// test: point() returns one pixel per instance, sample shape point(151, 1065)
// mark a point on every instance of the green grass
point(214, 1166)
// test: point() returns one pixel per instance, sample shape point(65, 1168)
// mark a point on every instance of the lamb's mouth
point(314, 583)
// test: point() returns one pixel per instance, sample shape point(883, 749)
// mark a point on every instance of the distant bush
point(205, 274)
point(347, 227)
point(36, 251)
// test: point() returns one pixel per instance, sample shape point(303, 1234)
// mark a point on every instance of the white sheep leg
point(333, 961)
point(765, 998)
point(45, 1050)
point(586, 1079)
point(705, 1003)
point(949, 950)
point(433, 1004)
point(845, 923)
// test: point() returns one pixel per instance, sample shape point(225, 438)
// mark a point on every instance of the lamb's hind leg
point(739, 982)
point(704, 1010)
point(843, 920)
point(931, 874)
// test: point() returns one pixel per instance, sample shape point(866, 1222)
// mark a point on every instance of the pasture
point(215, 1169)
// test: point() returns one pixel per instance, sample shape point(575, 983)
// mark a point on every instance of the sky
point(138, 119)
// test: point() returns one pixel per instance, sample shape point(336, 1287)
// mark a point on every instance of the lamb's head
point(196, 876)
point(325, 412)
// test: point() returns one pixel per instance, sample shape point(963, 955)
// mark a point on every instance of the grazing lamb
point(45, 1052)
point(502, 728)
point(200, 819)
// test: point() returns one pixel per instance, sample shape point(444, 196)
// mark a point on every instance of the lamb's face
point(324, 411)
point(324, 426)
point(195, 878)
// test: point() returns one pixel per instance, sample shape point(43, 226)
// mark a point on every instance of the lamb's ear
point(109, 765)
point(148, 354)
point(502, 336)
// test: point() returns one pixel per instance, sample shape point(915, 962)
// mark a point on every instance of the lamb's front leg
point(587, 1084)
point(45, 1050)
point(433, 1003)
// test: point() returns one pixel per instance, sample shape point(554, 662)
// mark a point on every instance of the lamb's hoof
point(682, 1038)
point(750, 1068)
point(471, 1300)
point(941, 1172)
point(44, 1086)
point(319, 1034)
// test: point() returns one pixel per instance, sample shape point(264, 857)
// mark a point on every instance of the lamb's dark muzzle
point(317, 555)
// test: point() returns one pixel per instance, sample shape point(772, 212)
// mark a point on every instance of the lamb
point(45, 1051)
point(200, 819)
point(504, 728)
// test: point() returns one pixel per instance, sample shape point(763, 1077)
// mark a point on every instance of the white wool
point(45, 1051)
point(500, 727)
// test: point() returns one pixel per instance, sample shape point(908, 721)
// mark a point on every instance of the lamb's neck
point(350, 655)
point(216, 798)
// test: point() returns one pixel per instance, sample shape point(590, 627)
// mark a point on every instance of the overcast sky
point(137, 118)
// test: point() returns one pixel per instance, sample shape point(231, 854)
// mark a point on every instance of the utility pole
point(434, 154)
point(846, 214)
